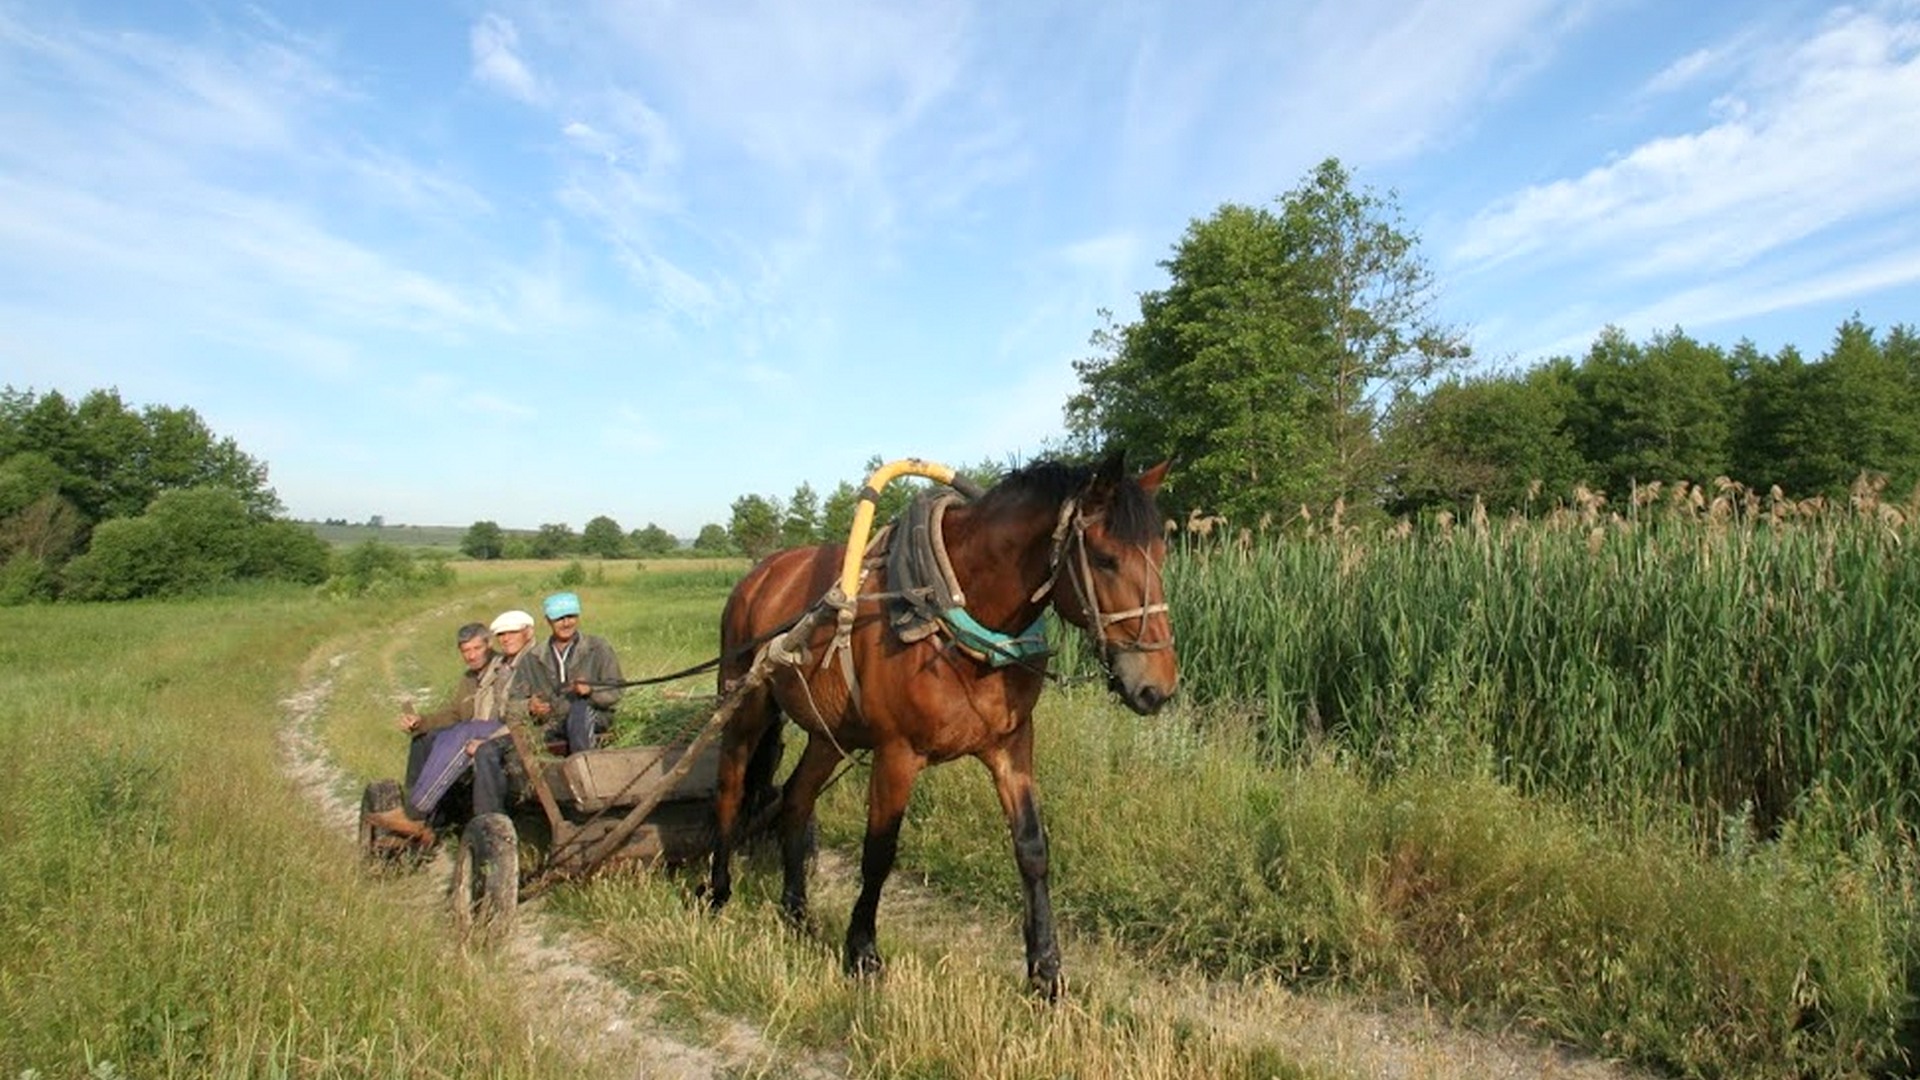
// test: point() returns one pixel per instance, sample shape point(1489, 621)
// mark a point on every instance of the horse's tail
point(760, 793)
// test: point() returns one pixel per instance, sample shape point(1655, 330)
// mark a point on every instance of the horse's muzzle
point(1144, 699)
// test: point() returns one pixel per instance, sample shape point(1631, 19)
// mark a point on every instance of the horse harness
point(926, 599)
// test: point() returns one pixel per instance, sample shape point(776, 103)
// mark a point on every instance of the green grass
point(174, 906)
point(1451, 887)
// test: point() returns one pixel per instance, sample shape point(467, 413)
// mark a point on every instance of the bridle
point(1069, 556)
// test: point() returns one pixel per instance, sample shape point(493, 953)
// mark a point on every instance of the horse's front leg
point(894, 770)
point(1012, 768)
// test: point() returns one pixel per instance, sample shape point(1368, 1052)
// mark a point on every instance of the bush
point(285, 551)
point(129, 557)
point(377, 569)
point(25, 580)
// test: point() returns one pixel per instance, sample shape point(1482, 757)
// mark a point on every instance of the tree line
point(102, 501)
point(1295, 360)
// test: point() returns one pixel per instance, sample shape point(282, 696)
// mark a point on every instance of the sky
point(534, 263)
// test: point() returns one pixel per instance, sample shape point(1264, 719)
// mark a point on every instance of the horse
point(1085, 540)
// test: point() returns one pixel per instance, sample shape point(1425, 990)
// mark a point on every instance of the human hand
point(581, 688)
point(538, 706)
point(473, 746)
point(409, 722)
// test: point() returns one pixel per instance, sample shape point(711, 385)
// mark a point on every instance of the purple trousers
point(447, 761)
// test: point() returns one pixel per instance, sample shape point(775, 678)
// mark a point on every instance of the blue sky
point(532, 263)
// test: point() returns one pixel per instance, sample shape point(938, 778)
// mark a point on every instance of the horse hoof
point(1044, 979)
point(794, 912)
point(865, 963)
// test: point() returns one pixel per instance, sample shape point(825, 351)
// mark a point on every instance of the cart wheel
point(486, 876)
point(376, 845)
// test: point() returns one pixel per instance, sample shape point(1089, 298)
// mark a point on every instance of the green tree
point(1659, 413)
point(37, 522)
point(836, 513)
point(206, 530)
point(654, 541)
point(800, 525)
point(282, 550)
point(1857, 413)
point(483, 540)
point(713, 540)
point(128, 557)
point(755, 525)
point(553, 542)
point(1263, 365)
point(603, 537)
point(1770, 395)
point(115, 460)
point(1501, 438)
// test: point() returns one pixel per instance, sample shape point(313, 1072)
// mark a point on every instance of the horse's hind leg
point(796, 823)
point(894, 769)
point(755, 714)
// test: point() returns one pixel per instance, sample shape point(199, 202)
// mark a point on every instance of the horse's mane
point(1133, 518)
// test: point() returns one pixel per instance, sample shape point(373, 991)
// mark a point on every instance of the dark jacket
point(551, 675)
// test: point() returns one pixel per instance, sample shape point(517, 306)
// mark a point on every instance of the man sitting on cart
point(573, 680)
point(570, 684)
point(448, 740)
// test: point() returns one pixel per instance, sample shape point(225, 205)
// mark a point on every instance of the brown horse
point(1085, 540)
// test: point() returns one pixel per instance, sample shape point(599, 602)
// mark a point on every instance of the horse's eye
point(1103, 561)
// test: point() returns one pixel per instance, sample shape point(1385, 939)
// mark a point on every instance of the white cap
point(511, 620)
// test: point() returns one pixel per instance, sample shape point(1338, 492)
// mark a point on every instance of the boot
point(397, 821)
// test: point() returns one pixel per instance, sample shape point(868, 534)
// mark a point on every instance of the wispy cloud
point(496, 59)
point(1821, 133)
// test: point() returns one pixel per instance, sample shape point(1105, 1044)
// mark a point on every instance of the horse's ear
point(1106, 479)
point(1151, 479)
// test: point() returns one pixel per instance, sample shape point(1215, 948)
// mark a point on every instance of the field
point(437, 537)
point(1243, 880)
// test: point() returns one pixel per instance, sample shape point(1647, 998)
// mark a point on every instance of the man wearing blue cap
point(574, 681)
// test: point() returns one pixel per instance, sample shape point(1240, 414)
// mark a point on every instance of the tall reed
point(1741, 658)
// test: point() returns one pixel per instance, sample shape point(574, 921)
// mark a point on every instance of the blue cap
point(562, 604)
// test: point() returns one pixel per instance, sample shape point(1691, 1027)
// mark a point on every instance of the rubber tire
point(486, 877)
point(379, 795)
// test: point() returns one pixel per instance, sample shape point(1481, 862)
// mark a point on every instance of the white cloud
point(496, 59)
point(1823, 133)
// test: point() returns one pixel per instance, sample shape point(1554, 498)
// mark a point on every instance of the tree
point(654, 540)
point(553, 542)
point(755, 526)
point(114, 461)
point(281, 550)
point(1500, 438)
point(483, 540)
point(1262, 366)
point(712, 540)
point(603, 537)
point(190, 541)
point(836, 513)
point(1857, 413)
point(800, 525)
point(1659, 413)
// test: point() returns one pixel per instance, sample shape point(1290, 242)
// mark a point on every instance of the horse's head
point(1109, 551)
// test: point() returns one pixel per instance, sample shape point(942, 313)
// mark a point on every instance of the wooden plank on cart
point(622, 776)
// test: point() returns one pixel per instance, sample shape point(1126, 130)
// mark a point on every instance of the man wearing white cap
point(451, 752)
